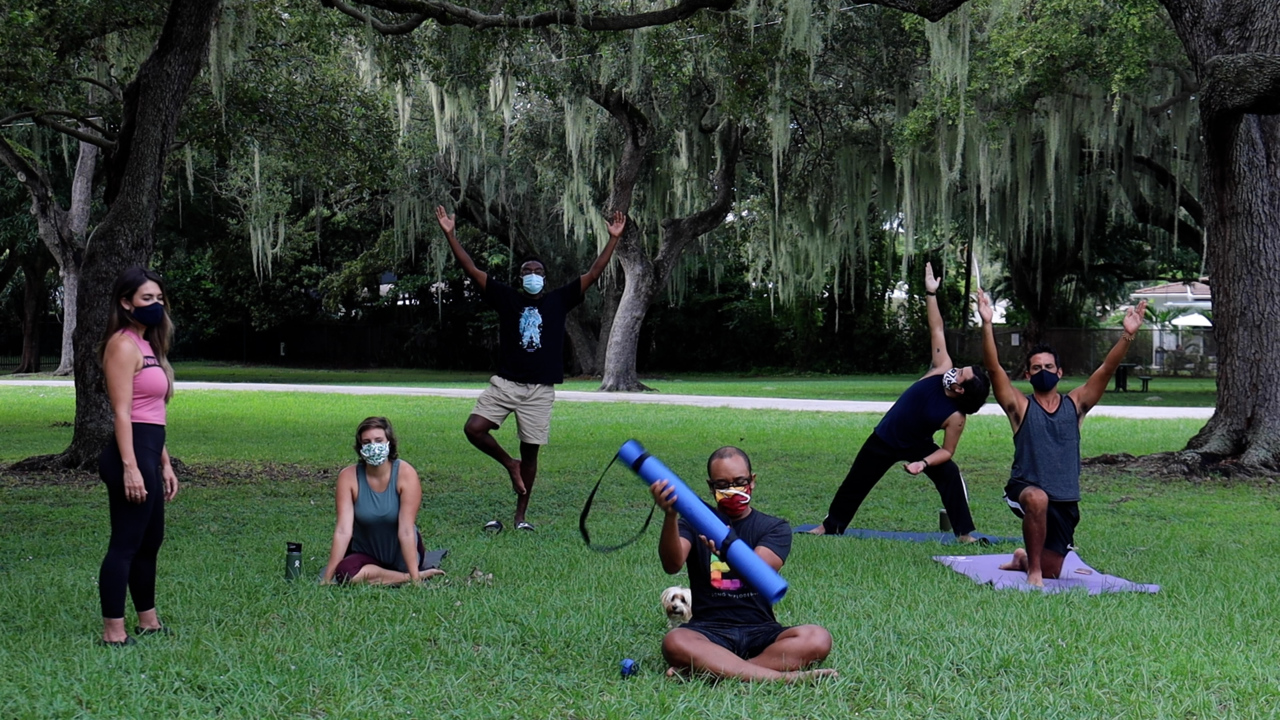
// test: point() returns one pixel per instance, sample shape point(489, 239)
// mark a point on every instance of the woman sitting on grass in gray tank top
point(376, 539)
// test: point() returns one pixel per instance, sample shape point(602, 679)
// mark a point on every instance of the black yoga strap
point(586, 509)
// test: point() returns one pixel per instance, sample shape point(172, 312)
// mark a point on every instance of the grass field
point(544, 640)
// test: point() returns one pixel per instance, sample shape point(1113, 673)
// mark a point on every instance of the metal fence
point(1082, 350)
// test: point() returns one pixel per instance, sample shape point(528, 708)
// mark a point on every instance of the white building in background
point(1189, 301)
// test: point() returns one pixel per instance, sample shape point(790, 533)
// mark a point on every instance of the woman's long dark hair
point(160, 337)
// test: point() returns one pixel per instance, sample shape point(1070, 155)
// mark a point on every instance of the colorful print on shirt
point(721, 575)
point(530, 329)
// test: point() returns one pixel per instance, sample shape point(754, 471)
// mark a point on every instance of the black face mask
point(1044, 381)
point(149, 315)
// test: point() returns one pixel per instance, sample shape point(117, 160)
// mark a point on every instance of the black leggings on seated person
point(137, 529)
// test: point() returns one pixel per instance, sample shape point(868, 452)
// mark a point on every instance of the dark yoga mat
point(1075, 575)
point(938, 537)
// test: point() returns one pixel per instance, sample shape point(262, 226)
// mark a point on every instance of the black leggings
point(137, 529)
point(873, 461)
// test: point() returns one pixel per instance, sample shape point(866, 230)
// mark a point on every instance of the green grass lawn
point(912, 640)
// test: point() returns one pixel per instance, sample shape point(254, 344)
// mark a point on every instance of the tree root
point(1185, 465)
point(636, 386)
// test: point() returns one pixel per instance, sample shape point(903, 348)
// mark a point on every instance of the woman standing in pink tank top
point(135, 464)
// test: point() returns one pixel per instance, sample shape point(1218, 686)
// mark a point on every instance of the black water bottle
point(292, 561)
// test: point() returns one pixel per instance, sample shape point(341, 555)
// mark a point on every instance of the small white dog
point(677, 604)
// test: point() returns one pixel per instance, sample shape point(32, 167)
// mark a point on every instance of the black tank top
point(1046, 450)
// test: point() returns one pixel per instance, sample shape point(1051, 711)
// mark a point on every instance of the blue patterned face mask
point(375, 453)
point(533, 283)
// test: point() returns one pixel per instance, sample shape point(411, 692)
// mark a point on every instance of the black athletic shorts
point(745, 641)
point(1060, 521)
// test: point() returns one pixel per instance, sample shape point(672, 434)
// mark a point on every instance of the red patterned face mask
point(733, 501)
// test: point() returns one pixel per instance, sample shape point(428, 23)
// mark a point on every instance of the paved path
point(751, 403)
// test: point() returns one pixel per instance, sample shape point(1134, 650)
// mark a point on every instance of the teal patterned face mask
point(375, 453)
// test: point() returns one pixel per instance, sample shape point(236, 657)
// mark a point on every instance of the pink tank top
point(150, 385)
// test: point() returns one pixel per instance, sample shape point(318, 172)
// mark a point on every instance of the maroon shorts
point(353, 562)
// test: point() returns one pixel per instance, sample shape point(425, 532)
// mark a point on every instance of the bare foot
point(966, 538)
point(672, 672)
point(820, 530)
point(517, 482)
point(1035, 578)
point(1019, 561)
point(800, 676)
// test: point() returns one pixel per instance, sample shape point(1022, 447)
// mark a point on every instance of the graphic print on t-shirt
point(530, 329)
point(720, 575)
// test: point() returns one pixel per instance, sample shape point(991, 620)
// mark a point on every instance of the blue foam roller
point(740, 556)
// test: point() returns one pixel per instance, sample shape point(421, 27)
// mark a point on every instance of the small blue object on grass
point(629, 667)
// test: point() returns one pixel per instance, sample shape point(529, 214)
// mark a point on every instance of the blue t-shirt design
point(530, 329)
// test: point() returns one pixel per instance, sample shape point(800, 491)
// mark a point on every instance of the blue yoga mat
point(938, 537)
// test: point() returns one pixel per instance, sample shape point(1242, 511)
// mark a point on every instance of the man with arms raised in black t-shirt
point(733, 632)
point(531, 337)
point(1044, 483)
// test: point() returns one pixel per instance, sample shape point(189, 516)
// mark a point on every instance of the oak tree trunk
point(34, 298)
point(1235, 48)
point(125, 237)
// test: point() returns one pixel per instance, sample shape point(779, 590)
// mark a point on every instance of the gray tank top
point(375, 531)
point(1046, 450)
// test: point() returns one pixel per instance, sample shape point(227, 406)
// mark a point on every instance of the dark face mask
point(149, 315)
point(1044, 381)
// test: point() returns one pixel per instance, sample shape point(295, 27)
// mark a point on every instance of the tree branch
point(35, 181)
point(1181, 97)
point(114, 91)
point(447, 13)
point(1245, 84)
point(1161, 174)
point(678, 232)
point(107, 135)
point(638, 132)
point(402, 28)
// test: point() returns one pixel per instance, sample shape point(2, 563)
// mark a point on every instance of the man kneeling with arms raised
point(733, 632)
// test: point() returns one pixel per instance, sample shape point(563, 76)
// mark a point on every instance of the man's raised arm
point(597, 268)
point(468, 265)
point(939, 359)
point(1009, 399)
point(1088, 394)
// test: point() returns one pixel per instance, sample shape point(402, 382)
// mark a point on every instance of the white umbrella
point(1192, 320)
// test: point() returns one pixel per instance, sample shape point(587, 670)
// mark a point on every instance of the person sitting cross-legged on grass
point(733, 632)
point(942, 400)
point(376, 539)
point(1044, 484)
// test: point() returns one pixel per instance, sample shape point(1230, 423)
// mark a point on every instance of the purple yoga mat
point(985, 569)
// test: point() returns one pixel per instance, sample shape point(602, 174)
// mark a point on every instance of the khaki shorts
point(530, 403)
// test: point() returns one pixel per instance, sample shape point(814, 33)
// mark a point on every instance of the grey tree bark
point(61, 231)
point(1235, 48)
point(645, 276)
point(126, 236)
